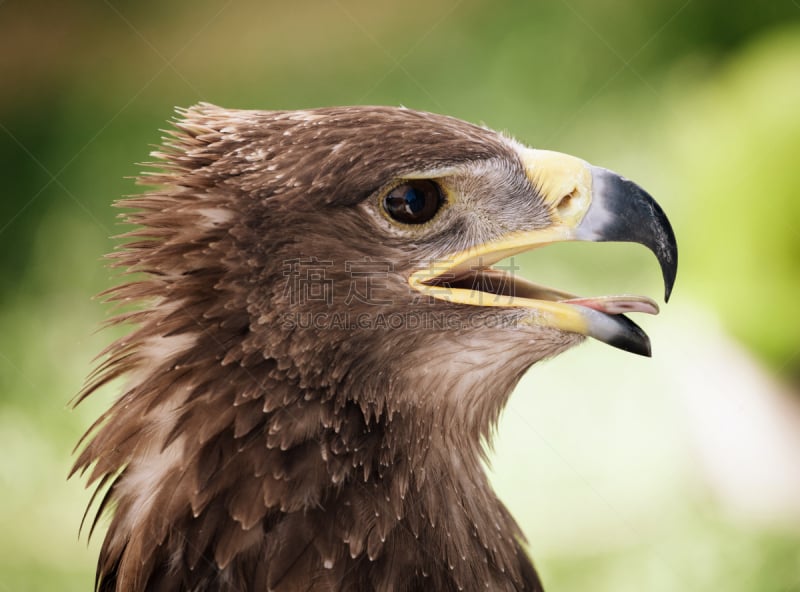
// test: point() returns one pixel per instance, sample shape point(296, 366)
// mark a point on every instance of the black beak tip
point(630, 337)
point(669, 277)
point(666, 250)
point(638, 347)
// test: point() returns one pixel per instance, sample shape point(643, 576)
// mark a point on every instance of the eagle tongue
point(617, 304)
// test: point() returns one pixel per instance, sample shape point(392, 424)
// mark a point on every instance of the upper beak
point(622, 211)
point(586, 203)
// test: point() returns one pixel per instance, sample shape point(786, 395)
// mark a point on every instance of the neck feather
point(248, 473)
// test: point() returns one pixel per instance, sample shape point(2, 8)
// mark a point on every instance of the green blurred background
point(677, 473)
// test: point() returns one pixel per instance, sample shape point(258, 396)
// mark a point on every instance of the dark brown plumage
point(253, 451)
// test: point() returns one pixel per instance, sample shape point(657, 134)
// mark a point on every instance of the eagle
point(322, 335)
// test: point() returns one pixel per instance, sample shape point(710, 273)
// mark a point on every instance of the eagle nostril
point(568, 202)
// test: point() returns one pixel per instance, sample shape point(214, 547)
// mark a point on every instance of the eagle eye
point(413, 202)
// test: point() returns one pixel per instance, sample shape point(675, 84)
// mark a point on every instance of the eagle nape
point(326, 336)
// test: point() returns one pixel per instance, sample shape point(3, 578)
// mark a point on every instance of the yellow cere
point(565, 183)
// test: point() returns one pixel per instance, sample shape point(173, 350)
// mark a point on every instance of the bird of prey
point(323, 337)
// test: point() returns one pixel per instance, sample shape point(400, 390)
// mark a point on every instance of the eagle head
point(325, 336)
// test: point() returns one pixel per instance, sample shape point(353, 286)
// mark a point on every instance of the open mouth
point(499, 287)
point(473, 278)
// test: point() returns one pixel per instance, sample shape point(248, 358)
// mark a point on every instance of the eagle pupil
point(413, 202)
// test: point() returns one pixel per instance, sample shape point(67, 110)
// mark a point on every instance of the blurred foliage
point(698, 100)
point(735, 141)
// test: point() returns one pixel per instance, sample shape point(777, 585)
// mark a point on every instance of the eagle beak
point(586, 203)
